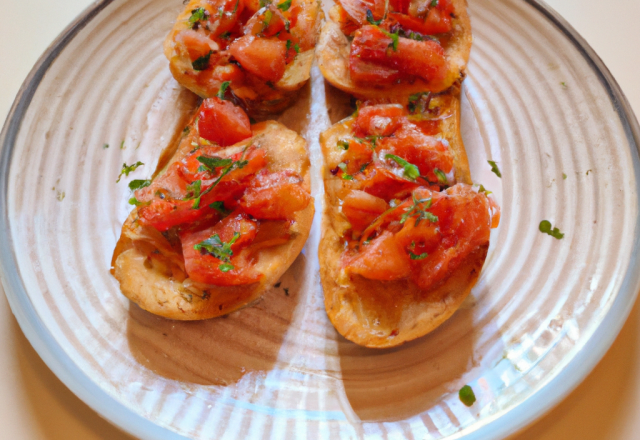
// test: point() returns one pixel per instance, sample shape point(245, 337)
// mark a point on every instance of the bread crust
point(159, 285)
point(382, 314)
point(333, 49)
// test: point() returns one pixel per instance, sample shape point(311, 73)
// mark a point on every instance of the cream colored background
point(35, 405)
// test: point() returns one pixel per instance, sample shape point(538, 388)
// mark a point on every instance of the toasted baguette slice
point(334, 47)
point(161, 285)
point(381, 314)
point(258, 96)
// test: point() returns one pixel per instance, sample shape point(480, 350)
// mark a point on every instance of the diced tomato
point(275, 196)
point(226, 16)
point(358, 154)
point(378, 120)
point(195, 43)
point(362, 208)
point(366, 72)
point(223, 122)
point(262, 57)
point(203, 267)
point(357, 9)
point(166, 213)
point(383, 259)
point(271, 233)
point(340, 16)
point(423, 59)
point(170, 184)
point(425, 152)
point(381, 182)
point(437, 22)
point(401, 6)
point(267, 22)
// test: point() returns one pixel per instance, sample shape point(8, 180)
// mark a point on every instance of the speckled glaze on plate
point(537, 100)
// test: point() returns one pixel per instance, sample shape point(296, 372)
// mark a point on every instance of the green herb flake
point(105, 146)
point(197, 15)
point(202, 63)
point(226, 267)
point(343, 145)
point(545, 227)
point(419, 211)
point(225, 35)
point(371, 20)
point(288, 44)
point(211, 163)
point(482, 189)
point(564, 85)
point(410, 170)
point(345, 175)
point(364, 166)
point(223, 89)
point(466, 394)
point(268, 15)
point(285, 5)
point(442, 177)
point(418, 257)
point(296, 47)
point(394, 37)
point(417, 103)
point(122, 146)
point(564, 176)
point(287, 25)
point(219, 206)
point(135, 202)
point(494, 168)
point(215, 247)
point(235, 8)
point(137, 184)
point(126, 169)
point(264, 3)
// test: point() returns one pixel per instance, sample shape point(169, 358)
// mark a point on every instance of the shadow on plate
point(397, 383)
point(218, 351)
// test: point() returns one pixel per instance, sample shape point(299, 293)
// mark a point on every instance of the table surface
point(35, 405)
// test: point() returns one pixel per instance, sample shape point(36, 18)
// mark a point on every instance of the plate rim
point(499, 425)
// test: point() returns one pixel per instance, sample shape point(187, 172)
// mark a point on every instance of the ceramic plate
point(537, 101)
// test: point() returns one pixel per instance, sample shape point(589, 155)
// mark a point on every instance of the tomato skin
point(357, 9)
point(435, 23)
point(366, 72)
point(362, 208)
point(381, 182)
point(205, 268)
point(223, 122)
point(423, 59)
point(275, 196)
point(383, 259)
point(265, 58)
point(378, 120)
point(195, 43)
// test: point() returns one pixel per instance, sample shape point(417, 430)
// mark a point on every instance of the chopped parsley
point(296, 48)
point(105, 146)
point(371, 20)
point(137, 184)
point(418, 257)
point(268, 15)
point(564, 176)
point(225, 35)
point(210, 164)
point(198, 15)
point(442, 177)
point(395, 37)
point(194, 192)
point(345, 175)
point(203, 62)
point(122, 146)
point(545, 227)
point(126, 169)
point(219, 206)
point(264, 3)
point(374, 140)
point(494, 168)
point(134, 201)
point(223, 89)
point(343, 145)
point(215, 247)
point(466, 394)
point(364, 166)
point(482, 189)
point(410, 170)
point(285, 5)
point(434, 3)
point(419, 211)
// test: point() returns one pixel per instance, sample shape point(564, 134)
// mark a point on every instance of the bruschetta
point(405, 233)
point(263, 48)
point(222, 219)
point(384, 48)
